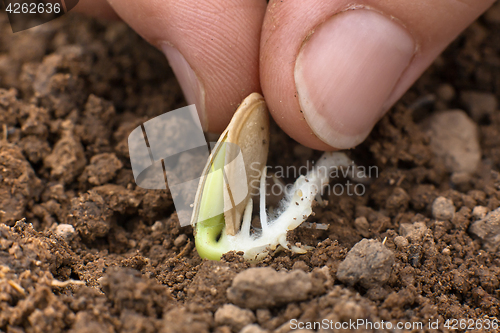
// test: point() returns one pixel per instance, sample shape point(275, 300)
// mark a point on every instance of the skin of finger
point(96, 8)
point(288, 24)
point(219, 39)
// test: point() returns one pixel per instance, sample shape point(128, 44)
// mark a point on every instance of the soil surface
point(83, 249)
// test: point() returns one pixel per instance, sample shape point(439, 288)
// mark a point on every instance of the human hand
point(329, 70)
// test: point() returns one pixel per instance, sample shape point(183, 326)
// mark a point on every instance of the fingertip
point(330, 76)
point(194, 91)
point(345, 72)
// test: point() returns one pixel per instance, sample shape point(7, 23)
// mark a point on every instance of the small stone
point(443, 209)
point(157, 226)
point(398, 201)
point(66, 231)
point(445, 92)
point(180, 240)
point(479, 212)
point(454, 140)
point(479, 104)
point(368, 263)
point(414, 232)
point(234, 317)
point(414, 254)
point(102, 169)
point(446, 251)
point(253, 328)
point(362, 226)
point(300, 265)
point(401, 242)
point(488, 230)
point(91, 216)
point(460, 178)
point(263, 287)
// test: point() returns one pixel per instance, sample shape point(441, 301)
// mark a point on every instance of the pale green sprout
point(209, 229)
point(212, 236)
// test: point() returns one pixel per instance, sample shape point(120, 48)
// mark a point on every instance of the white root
point(294, 209)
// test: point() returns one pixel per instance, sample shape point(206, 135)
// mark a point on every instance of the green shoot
point(209, 227)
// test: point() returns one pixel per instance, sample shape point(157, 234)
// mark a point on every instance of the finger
point(331, 69)
point(212, 47)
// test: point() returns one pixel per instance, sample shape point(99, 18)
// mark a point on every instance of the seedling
point(217, 216)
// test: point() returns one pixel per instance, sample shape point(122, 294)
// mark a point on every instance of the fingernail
point(345, 72)
point(188, 80)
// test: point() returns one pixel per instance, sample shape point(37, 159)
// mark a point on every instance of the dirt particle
point(443, 209)
point(234, 317)
point(362, 226)
point(34, 148)
point(454, 140)
point(67, 159)
point(95, 126)
point(368, 263)
point(300, 265)
point(127, 289)
point(398, 201)
point(157, 226)
point(90, 216)
point(118, 198)
point(263, 287)
point(413, 231)
point(102, 168)
point(18, 184)
point(66, 231)
point(445, 92)
point(180, 240)
point(479, 104)
point(211, 282)
point(488, 230)
point(401, 242)
point(181, 320)
point(479, 212)
point(422, 196)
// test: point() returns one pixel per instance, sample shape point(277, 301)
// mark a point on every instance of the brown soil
point(73, 89)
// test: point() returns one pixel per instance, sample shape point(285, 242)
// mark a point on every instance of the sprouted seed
point(211, 236)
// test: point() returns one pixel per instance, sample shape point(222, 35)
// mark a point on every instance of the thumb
point(344, 65)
